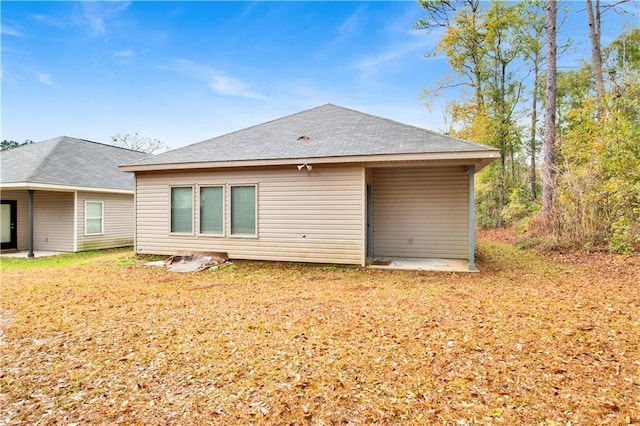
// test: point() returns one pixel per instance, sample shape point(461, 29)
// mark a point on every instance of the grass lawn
point(102, 339)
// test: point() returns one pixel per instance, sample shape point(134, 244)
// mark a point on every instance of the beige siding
point(22, 218)
point(117, 221)
point(421, 212)
point(53, 221)
point(314, 216)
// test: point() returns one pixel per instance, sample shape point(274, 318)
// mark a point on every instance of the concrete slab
point(420, 264)
point(36, 253)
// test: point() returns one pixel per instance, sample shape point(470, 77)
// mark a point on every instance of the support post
point(472, 217)
point(30, 192)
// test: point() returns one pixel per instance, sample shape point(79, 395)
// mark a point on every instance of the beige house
point(67, 195)
point(327, 185)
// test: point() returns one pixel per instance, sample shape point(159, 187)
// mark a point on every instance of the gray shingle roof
point(326, 131)
point(69, 162)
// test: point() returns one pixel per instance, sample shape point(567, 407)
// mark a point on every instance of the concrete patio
point(24, 253)
point(421, 264)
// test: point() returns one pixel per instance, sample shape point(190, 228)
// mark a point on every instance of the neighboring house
point(328, 185)
point(66, 194)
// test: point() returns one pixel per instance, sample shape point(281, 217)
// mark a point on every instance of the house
point(66, 194)
point(327, 185)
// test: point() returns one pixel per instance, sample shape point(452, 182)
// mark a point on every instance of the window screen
point(93, 217)
point(212, 210)
point(182, 210)
point(243, 210)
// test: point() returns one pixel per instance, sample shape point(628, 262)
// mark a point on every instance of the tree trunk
point(596, 54)
point(532, 141)
point(548, 162)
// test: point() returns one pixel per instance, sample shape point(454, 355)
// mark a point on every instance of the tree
point(594, 22)
point(8, 144)
point(598, 185)
point(138, 143)
point(532, 44)
point(482, 43)
point(549, 160)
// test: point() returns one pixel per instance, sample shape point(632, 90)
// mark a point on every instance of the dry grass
point(529, 340)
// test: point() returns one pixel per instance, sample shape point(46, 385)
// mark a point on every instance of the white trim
point(60, 188)
point(364, 217)
point(480, 158)
point(255, 214)
point(75, 221)
point(86, 217)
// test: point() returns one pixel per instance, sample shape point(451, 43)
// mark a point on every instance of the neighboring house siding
point(302, 216)
point(53, 221)
point(421, 212)
point(22, 215)
point(117, 221)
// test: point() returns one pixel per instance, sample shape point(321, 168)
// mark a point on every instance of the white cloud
point(48, 20)
point(10, 31)
point(392, 53)
point(125, 56)
point(96, 14)
point(124, 53)
point(43, 78)
point(217, 81)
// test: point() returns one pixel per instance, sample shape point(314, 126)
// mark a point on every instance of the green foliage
point(519, 207)
point(491, 48)
point(598, 203)
point(7, 144)
point(486, 45)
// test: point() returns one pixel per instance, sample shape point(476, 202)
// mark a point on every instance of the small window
point(93, 218)
point(182, 210)
point(243, 210)
point(212, 210)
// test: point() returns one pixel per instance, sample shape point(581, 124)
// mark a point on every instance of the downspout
point(30, 192)
point(472, 218)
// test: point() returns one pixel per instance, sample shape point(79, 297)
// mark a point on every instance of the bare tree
point(138, 143)
point(549, 158)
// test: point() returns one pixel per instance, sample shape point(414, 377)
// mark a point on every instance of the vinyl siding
point(303, 216)
point(420, 212)
point(53, 221)
point(117, 219)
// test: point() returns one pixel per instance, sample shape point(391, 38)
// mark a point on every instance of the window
point(212, 210)
point(182, 210)
point(243, 210)
point(93, 215)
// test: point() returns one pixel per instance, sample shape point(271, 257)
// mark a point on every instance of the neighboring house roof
point(321, 133)
point(66, 162)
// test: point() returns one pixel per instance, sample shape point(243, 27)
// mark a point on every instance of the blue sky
point(183, 72)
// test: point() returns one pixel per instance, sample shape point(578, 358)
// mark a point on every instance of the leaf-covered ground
point(530, 340)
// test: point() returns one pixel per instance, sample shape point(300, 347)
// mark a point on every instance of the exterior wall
point(118, 221)
point(52, 221)
point(421, 212)
point(303, 216)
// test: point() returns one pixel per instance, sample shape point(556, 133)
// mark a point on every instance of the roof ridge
point(103, 144)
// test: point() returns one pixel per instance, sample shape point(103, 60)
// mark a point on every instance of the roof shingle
point(68, 161)
point(325, 131)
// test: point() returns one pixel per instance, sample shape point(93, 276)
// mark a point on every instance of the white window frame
point(87, 218)
point(224, 210)
point(255, 214)
point(171, 232)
